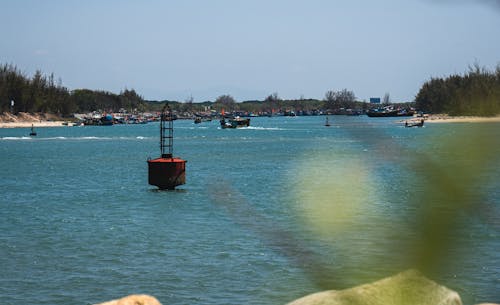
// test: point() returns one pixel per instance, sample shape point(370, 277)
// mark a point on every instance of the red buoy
point(166, 172)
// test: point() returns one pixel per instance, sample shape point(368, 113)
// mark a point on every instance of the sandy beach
point(34, 124)
point(440, 118)
point(444, 118)
point(26, 120)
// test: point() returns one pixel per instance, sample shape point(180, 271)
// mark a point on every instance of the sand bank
point(26, 120)
point(443, 118)
point(437, 118)
point(34, 124)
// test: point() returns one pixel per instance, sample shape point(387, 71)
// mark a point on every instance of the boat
point(201, 119)
point(106, 120)
point(415, 123)
point(99, 120)
point(236, 122)
point(327, 123)
point(389, 112)
point(33, 132)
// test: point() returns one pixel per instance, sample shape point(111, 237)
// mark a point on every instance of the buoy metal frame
point(166, 116)
point(166, 172)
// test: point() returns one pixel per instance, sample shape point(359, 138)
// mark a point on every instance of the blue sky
point(250, 49)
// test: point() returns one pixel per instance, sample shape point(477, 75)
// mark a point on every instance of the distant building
point(374, 100)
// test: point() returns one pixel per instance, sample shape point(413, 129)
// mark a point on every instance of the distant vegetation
point(477, 92)
point(334, 102)
point(42, 93)
point(474, 93)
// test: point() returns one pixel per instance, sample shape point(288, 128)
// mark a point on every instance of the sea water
point(268, 214)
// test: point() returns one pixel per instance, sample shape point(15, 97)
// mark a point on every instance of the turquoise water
point(269, 213)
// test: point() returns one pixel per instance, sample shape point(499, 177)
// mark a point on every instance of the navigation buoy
point(33, 132)
point(166, 172)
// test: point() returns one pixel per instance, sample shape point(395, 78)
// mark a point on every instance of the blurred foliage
point(341, 200)
point(453, 192)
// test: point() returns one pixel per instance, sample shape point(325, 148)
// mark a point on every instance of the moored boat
point(389, 112)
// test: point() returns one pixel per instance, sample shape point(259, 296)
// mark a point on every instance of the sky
point(175, 50)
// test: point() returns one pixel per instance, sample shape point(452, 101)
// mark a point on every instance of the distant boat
point(200, 119)
point(107, 120)
point(33, 132)
point(389, 112)
point(235, 122)
point(327, 123)
point(415, 124)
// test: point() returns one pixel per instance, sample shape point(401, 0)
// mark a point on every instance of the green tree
point(130, 100)
point(477, 92)
point(226, 102)
point(335, 100)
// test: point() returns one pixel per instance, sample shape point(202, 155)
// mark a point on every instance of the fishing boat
point(415, 123)
point(389, 112)
point(201, 119)
point(236, 122)
point(107, 120)
point(33, 132)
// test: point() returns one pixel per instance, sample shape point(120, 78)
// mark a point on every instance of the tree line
point(333, 102)
point(42, 93)
point(477, 92)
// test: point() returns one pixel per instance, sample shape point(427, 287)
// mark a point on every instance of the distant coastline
point(24, 120)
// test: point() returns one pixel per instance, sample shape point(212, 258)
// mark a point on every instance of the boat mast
point(166, 132)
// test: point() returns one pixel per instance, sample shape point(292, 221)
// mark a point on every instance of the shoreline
point(28, 120)
point(433, 118)
point(41, 124)
point(442, 118)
